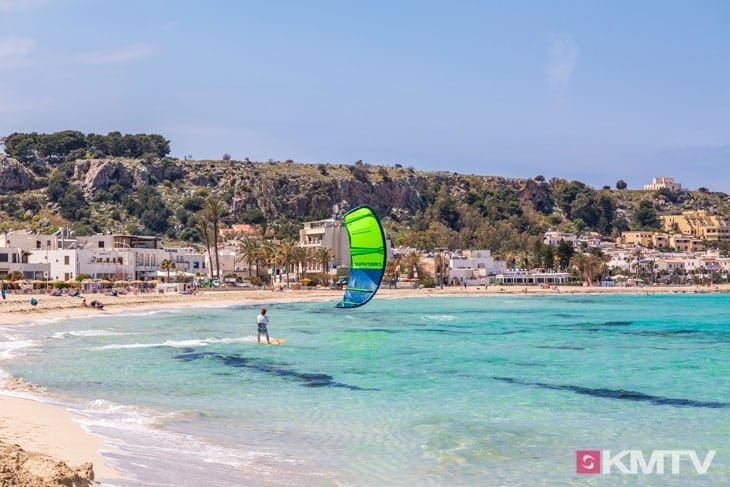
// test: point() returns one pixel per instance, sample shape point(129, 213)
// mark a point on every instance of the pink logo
point(588, 461)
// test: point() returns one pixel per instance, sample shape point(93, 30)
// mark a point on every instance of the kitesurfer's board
point(274, 341)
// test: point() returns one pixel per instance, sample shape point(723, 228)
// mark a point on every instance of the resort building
point(474, 267)
point(699, 224)
point(523, 277)
point(16, 261)
point(63, 264)
point(329, 233)
point(661, 183)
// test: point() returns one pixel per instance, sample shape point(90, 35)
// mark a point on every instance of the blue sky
point(589, 90)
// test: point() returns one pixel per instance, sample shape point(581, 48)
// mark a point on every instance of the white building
point(474, 267)
point(63, 263)
point(521, 276)
point(554, 238)
point(661, 183)
point(329, 233)
point(14, 260)
point(28, 240)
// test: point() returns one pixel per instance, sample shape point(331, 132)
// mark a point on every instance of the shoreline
point(17, 308)
point(48, 433)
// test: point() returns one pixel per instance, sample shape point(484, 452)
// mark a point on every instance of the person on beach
point(94, 304)
point(262, 321)
point(4, 290)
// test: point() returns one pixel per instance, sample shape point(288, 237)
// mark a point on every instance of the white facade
point(63, 263)
point(329, 233)
point(660, 183)
point(17, 260)
point(474, 268)
point(28, 241)
point(112, 264)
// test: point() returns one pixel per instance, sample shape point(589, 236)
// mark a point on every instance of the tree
point(205, 227)
point(213, 211)
point(645, 216)
point(565, 253)
point(286, 250)
point(620, 184)
point(589, 265)
point(167, 265)
point(299, 258)
point(249, 249)
point(324, 257)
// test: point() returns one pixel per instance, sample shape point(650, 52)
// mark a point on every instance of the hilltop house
point(661, 183)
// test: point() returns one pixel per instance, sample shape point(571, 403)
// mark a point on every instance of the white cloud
point(14, 51)
point(118, 55)
point(562, 59)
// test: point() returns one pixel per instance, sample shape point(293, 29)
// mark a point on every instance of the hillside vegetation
point(85, 186)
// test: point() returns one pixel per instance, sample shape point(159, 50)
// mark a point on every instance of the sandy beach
point(41, 444)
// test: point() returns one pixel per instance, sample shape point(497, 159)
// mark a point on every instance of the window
point(101, 244)
point(37, 244)
point(3, 257)
point(66, 260)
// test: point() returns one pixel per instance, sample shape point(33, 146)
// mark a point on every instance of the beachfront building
point(63, 264)
point(662, 183)
point(15, 261)
point(112, 264)
point(328, 233)
point(28, 240)
point(474, 267)
point(523, 277)
point(554, 238)
point(699, 224)
point(229, 261)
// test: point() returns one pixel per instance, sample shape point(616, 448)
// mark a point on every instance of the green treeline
point(69, 145)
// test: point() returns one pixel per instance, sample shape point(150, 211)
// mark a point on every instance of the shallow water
point(437, 391)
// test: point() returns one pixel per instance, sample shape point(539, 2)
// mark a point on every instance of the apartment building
point(698, 223)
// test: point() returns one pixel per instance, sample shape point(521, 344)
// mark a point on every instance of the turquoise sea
point(433, 391)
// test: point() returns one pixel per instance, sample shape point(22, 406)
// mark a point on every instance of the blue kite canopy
point(367, 256)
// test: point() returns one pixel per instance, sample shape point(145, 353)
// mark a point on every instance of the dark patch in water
point(529, 364)
point(616, 323)
point(666, 333)
point(308, 379)
point(621, 394)
point(560, 347)
point(374, 330)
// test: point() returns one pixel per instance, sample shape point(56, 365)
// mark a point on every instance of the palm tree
point(205, 231)
point(324, 256)
point(213, 211)
point(286, 249)
point(270, 256)
point(167, 265)
point(249, 249)
point(299, 256)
